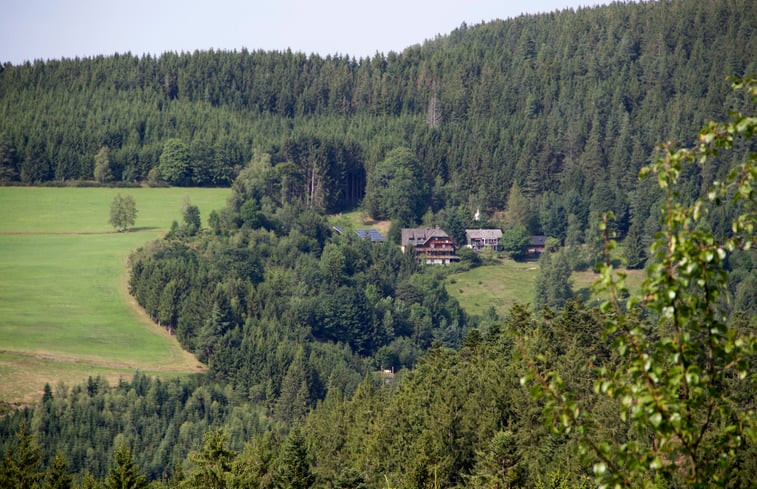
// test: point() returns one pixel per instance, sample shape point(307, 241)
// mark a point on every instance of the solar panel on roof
point(371, 234)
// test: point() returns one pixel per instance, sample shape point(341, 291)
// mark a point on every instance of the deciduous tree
point(174, 162)
point(102, 172)
point(515, 240)
point(123, 212)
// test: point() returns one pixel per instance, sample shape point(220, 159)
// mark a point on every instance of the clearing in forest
point(507, 282)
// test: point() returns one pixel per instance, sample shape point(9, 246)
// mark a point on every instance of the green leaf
point(656, 419)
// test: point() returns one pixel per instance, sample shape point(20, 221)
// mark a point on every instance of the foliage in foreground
point(685, 379)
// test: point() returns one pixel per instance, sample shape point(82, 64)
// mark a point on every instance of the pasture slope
point(506, 282)
point(65, 313)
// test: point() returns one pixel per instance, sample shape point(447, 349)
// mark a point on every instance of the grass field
point(64, 310)
point(508, 282)
point(359, 220)
point(499, 285)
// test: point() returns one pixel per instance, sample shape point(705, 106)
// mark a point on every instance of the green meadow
point(507, 282)
point(65, 313)
point(499, 285)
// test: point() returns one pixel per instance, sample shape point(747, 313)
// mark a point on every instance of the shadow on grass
point(142, 229)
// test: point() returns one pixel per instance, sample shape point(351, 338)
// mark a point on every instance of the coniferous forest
point(542, 123)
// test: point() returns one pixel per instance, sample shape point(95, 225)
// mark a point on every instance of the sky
point(54, 29)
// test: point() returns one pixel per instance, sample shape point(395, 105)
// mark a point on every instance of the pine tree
point(553, 283)
point(22, 465)
point(212, 464)
point(518, 210)
point(499, 464)
point(294, 466)
point(58, 477)
point(294, 398)
point(634, 251)
point(123, 473)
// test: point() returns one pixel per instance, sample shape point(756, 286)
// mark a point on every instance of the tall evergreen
point(294, 471)
point(123, 473)
point(58, 476)
point(22, 464)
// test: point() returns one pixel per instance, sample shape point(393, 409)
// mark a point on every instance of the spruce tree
point(58, 477)
point(22, 465)
point(212, 464)
point(123, 473)
point(294, 466)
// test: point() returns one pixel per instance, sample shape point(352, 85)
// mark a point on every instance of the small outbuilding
point(537, 244)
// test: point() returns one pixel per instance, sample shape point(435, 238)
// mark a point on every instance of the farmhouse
point(479, 239)
point(432, 245)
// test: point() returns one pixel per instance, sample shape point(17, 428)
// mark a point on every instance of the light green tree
point(515, 241)
point(518, 210)
point(123, 212)
point(174, 164)
point(102, 172)
point(498, 465)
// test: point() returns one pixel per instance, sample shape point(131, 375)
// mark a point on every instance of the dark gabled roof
point(372, 234)
point(418, 236)
point(538, 240)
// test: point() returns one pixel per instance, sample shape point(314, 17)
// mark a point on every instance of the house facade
point(432, 245)
point(480, 239)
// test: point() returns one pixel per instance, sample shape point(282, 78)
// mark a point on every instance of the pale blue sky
point(52, 29)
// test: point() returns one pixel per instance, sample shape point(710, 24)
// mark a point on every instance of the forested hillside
point(567, 105)
point(541, 122)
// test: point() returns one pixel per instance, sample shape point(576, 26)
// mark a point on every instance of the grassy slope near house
point(64, 310)
point(499, 285)
point(507, 282)
point(359, 220)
